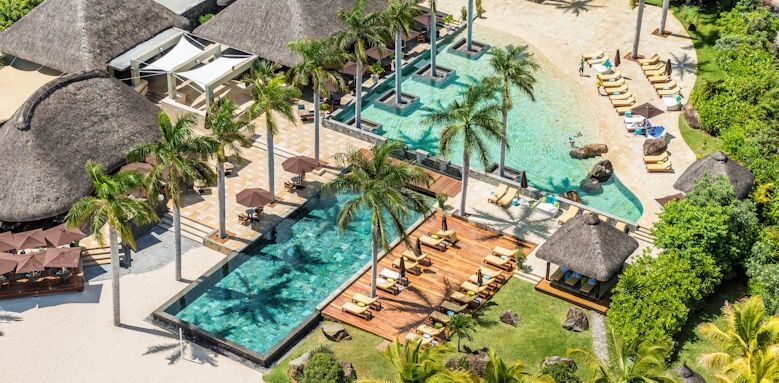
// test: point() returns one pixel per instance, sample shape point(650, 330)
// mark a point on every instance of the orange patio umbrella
point(30, 239)
point(62, 257)
point(30, 262)
point(60, 235)
point(8, 262)
point(7, 242)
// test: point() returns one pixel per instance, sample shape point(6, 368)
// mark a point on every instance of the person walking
point(581, 67)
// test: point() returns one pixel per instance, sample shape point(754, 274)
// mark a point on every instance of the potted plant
point(520, 257)
point(441, 198)
point(376, 70)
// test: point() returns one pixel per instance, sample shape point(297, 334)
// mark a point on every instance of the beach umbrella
point(29, 263)
point(8, 262)
point(617, 59)
point(479, 277)
point(7, 241)
point(30, 239)
point(402, 271)
point(418, 248)
point(668, 67)
point(62, 257)
point(647, 110)
point(299, 164)
point(665, 200)
point(444, 226)
point(60, 235)
point(523, 180)
point(254, 197)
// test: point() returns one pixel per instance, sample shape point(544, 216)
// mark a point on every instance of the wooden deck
point(600, 306)
point(45, 285)
point(440, 183)
point(405, 311)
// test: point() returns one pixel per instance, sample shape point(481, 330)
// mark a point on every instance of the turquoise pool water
point(259, 297)
point(538, 131)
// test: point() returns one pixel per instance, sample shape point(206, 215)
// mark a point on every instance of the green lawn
point(538, 335)
point(698, 140)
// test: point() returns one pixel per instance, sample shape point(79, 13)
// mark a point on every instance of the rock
point(686, 375)
point(572, 195)
point(478, 362)
point(509, 317)
point(349, 372)
point(601, 171)
point(558, 360)
point(591, 186)
point(578, 153)
point(692, 117)
point(452, 364)
point(589, 151)
point(335, 332)
point(297, 365)
point(576, 320)
point(655, 146)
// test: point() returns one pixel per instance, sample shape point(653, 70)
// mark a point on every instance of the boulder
point(297, 365)
point(578, 153)
point(589, 151)
point(509, 317)
point(686, 375)
point(576, 320)
point(349, 372)
point(655, 146)
point(601, 171)
point(591, 186)
point(478, 362)
point(335, 332)
point(549, 360)
point(572, 195)
point(691, 116)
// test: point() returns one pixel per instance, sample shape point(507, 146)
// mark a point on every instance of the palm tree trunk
point(271, 170)
point(464, 183)
point(398, 68)
point(114, 243)
point(469, 36)
point(374, 257)
point(459, 338)
point(358, 95)
point(664, 17)
point(317, 101)
point(433, 41)
point(501, 163)
point(639, 19)
point(220, 185)
point(177, 239)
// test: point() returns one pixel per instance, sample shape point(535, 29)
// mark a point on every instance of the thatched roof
point(45, 144)
point(717, 164)
point(77, 35)
point(264, 27)
point(589, 246)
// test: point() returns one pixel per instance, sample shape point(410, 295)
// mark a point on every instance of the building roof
point(265, 27)
point(590, 246)
point(44, 146)
point(77, 35)
point(717, 164)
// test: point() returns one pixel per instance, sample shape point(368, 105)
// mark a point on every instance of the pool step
point(643, 234)
point(189, 228)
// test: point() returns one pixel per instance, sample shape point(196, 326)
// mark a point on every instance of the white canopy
point(182, 53)
point(212, 71)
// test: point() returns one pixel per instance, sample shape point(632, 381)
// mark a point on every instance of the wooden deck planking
point(405, 311)
point(601, 306)
point(440, 183)
point(46, 285)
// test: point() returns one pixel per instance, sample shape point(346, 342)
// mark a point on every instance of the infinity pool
point(260, 297)
point(538, 132)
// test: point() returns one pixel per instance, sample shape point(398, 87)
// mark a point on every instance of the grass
point(698, 140)
point(538, 335)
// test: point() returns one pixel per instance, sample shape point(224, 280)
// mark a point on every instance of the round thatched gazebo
point(717, 164)
point(587, 247)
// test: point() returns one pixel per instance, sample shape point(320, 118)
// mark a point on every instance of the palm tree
point(747, 333)
point(111, 205)
point(497, 371)
point(461, 326)
point(381, 185)
point(415, 364)
point(639, 19)
point(433, 36)
point(362, 31)
point(262, 71)
point(319, 68)
point(472, 120)
point(666, 4)
point(399, 15)
point(514, 66)
point(763, 368)
point(179, 156)
point(230, 135)
point(628, 363)
point(469, 20)
point(272, 96)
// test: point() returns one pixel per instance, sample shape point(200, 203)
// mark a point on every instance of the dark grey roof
point(265, 27)
point(717, 164)
point(77, 35)
point(45, 144)
point(589, 246)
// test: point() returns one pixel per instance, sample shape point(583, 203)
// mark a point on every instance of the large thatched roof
point(717, 164)
point(264, 27)
point(76, 35)
point(45, 144)
point(589, 246)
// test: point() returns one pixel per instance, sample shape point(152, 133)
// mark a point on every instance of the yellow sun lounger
point(648, 68)
point(437, 316)
point(621, 96)
point(649, 60)
point(432, 331)
point(657, 72)
point(484, 281)
point(367, 301)
point(387, 286)
point(463, 298)
point(614, 84)
point(659, 167)
point(360, 311)
point(502, 251)
point(627, 102)
point(437, 244)
point(669, 92)
point(665, 85)
point(493, 273)
point(498, 194)
point(505, 201)
point(610, 77)
point(497, 261)
point(570, 213)
point(593, 56)
point(659, 79)
point(618, 90)
point(622, 109)
point(656, 158)
point(468, 286)
point(414, 337)
point(449, 235)
point(447, 306)
point(423, 259)
point(411, 266)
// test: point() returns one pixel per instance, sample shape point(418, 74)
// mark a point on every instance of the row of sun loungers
point(574, 280)
point(655, 71)
point(503, 195)
point(616, 89)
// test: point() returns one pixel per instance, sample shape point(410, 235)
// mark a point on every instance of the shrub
point(763, 270)
point(561, 373)
point(12, 10)
point(204, 18)
point(323, 368)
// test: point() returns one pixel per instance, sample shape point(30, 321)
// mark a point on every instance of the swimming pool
point(257, 301)
point(538, 132)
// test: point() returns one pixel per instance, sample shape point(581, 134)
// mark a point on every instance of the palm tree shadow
point(683, 65)
point(8, 318)
point(515, 220)
point(480, 317)
point(173, 351)
point(573, 6)
point(427, 141)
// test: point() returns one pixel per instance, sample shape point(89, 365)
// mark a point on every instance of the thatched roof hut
point(77, 35)
point(589, 246)
point(45, 144)
point(265, 27)
point(717, 164)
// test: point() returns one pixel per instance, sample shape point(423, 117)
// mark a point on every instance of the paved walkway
point(599, 337)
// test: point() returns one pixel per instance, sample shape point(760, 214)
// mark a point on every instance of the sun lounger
point(614, 83)
point(601, 69)
point(508, 197)
point(593, 56)
point(588, 286)
point(647, 68)
point(429, 241)
point(669, 92)
point(656, 72)
point(659, 167)
point(573, 279)
point(570, 213)
point(649, 60)
point(463, 298)
point(666, 85)
point(610, 77)
point(411, 266)
point(389, 286)
point(622, 109)
point(622, 226)
point(548, 208)
point(626, 102)
point(485, 280)
point(439, 317)
point(656, 158)
point(367, 301)
point(432, 331)
point(559, 273)
point(621, 96)
point(414, 337)
point(498, 194)
point(659, 79)
point(499, 262)
point(468, 286)
point(449, 235)
point(618, 90)
point(423, 259)
point(360, 311)
point(493, 273)
point(502, 251)
point(455, 308)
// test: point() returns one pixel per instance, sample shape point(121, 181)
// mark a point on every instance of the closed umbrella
point(60, 235)
point(402, 272)
point(30, 239)
point(617, 59)
point(668, 67)
point(479, 277)
point(8, 262)
point(418, 248)
point(7, 242)
point(29, 263)
point(254, 197)
point(299, 164)
point(444, 226)
point(62, 257)
point(523, 180)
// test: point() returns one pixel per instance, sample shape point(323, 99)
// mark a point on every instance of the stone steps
point(189, 228)
point(643, 234)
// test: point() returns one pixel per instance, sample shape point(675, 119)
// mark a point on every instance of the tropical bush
point(323, 368)
point(12, 10)
point(561, 373)
point(763, 271)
